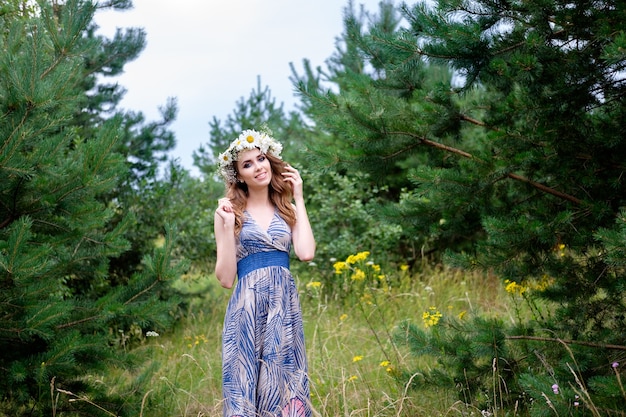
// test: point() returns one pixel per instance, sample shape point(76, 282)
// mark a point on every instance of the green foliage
point(61, 311)
point(143, 143)
point(497, 129)
point(473, 357)
point(353, 362)
point(260, 112)
point(342, 213)
point(189, 203)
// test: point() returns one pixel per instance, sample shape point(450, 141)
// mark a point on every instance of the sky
point(208, 54)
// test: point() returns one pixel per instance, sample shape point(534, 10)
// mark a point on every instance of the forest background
point(452, 143)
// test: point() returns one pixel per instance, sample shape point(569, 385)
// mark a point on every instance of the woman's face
point(254, 168)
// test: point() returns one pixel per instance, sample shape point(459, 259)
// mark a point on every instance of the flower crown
point(247, 140)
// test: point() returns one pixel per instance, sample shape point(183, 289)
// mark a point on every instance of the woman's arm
point(302, 233)
point(224, 227)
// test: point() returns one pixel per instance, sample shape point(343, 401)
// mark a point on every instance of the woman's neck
point(258, 198)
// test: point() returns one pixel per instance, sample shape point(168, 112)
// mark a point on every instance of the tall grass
point(352, 358)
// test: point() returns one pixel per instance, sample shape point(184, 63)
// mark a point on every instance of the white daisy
point(248, 139)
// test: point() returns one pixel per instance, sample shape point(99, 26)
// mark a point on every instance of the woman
point(264, 363)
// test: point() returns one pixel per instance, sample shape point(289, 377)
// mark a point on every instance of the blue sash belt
point(261, 260)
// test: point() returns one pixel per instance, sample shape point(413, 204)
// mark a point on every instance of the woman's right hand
point(224, 229)
point(225, 211)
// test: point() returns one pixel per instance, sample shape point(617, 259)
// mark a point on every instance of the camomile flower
point(247, 140)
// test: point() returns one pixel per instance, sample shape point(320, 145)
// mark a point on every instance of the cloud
point(209, 53)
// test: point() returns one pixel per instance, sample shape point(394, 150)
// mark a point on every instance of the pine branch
point(568, 342)
point(144, 291)
point(539, 186)
point(472, 120)
point(545, 189)
point(446, 148)
point(77, 322)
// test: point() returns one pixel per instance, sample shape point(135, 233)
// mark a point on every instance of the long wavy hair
point(279, 193)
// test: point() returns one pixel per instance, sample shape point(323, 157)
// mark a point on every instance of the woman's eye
point(261, 158)
point(246, 165)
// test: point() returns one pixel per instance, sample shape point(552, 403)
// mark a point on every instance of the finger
point(224, 214)
point(293, 173)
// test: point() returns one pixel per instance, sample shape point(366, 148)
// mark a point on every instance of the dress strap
point(261, 260)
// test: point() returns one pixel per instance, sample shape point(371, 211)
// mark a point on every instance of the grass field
point(352, 358)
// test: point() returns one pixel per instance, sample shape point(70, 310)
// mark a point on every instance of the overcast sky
point(209, 53)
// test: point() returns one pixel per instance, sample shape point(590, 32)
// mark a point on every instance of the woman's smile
point(254, 167)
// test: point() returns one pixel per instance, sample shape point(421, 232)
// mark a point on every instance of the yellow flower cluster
point(340, 267)
point(314, 284)
point(358, 275)
point(514, 288)
point(431, 317)
point(387, 366)
point(361, 256)
point(196, 340)
point(530, 285)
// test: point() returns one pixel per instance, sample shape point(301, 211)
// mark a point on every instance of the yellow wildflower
point(339, 267)
point(343, 317)
point(353, 378)
point(404, 267)
point(385, 363)
point(314, 284)
point(358, 275)
point(374, 266)
point(513, 287)
point(357, 358)
point(361, 256)
point(431, 317)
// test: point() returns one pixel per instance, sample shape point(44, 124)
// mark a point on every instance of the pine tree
point(60, 317)
point(258, 111)
point(513, 163)
point(144, 144)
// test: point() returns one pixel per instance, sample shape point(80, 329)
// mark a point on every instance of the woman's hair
point(279, 193)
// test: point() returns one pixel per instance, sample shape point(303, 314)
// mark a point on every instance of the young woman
point(263, 215)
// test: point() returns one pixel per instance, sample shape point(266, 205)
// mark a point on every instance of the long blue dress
point(264, 367)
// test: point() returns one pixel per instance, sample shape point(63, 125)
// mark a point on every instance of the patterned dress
point(264, 363)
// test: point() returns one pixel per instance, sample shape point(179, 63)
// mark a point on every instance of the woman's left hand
point(293, 176)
